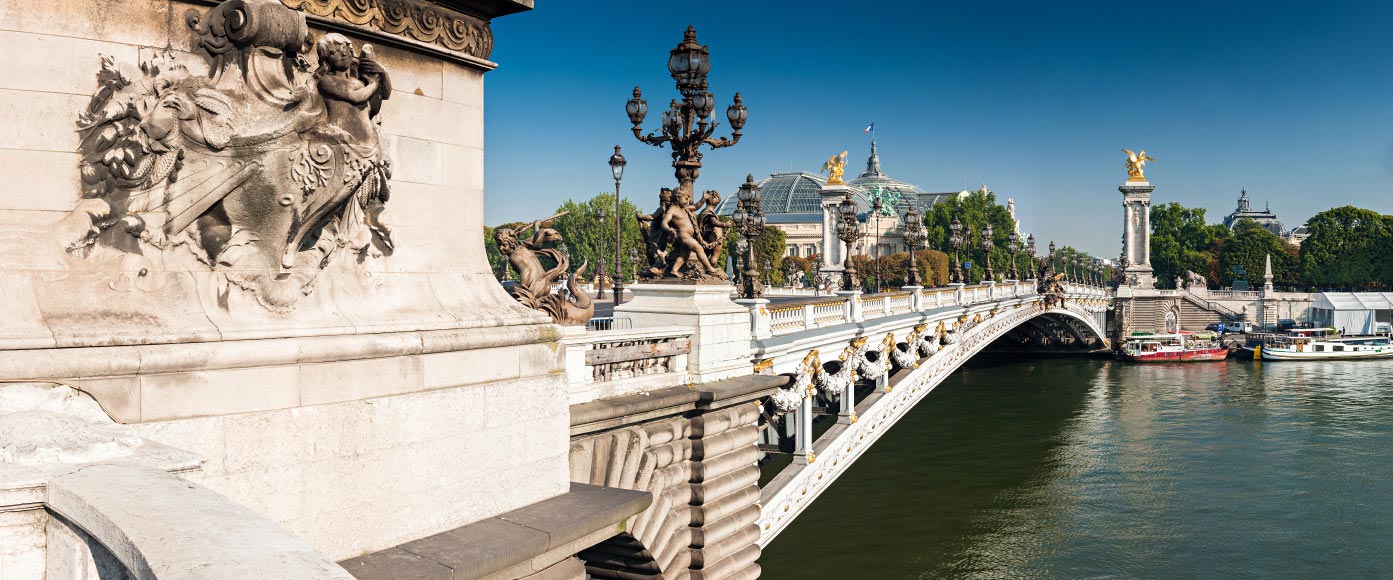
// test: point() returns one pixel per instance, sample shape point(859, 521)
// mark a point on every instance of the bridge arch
point(953, 341)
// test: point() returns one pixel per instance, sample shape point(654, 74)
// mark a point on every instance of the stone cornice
point(417, 20)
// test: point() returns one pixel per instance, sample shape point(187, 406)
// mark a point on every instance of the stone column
point(853, 305)
point(834, 251)
point(1136, 232)
point(759, 316)
point(721, 343)
point(916, 297)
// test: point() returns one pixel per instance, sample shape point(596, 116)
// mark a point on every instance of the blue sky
point(1035, 99)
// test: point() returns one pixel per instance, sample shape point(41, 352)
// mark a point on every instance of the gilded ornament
point(835, 167)
point(1134, 164)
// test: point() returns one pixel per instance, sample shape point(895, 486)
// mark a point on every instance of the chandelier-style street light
point(749, 221)
point(1030, 255)
point(1013, 245)
point(914, 235)
point(955, 241)
point(849, 231)
point(987, 246)
point(688, 124)
point(616, 167)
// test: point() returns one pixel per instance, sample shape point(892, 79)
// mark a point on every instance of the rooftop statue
point(1134, 164)
point(834, 167)
point(535, 281)
point(259, 170)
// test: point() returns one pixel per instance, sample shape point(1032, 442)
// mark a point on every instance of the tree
point(1349, 248)
point(586, 237)
point(974, 210)
point(1180, 241)
point(770, 248)
point(1249, 248)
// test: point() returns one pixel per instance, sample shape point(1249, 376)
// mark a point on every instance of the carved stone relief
point(259, 171)
point(415, 19)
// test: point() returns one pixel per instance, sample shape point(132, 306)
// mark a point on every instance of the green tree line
point(1349, 248)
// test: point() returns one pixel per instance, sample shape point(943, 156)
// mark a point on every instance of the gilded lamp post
point(849, 231)
point(987, 246)
point(1030, 255)
point(914, 235)
point(749, 221)
point(1013, 245)
point(955, 241)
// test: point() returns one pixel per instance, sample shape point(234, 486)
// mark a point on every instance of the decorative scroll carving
point(414, 19)
point(258, 172)
point(535, 281)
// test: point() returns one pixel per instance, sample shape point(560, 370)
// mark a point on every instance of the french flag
point(870, 127)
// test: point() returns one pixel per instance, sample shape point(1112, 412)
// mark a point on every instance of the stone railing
point(602, 364)
point(855, 307)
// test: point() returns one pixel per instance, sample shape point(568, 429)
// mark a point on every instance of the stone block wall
point(699, 462)
point(403, 394)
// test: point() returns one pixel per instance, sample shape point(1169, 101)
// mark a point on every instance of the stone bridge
point(704, 395)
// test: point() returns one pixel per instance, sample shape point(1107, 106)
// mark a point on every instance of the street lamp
point(600, 286)
point(688, 124)
point(749, 221)
point(955, 241)
point(1030, 255)
point(876, 207)
point(616, 167)
point(987, 248)
point(1013, 245)
point(913, 227)
point(849, 230)
point(1051, 259)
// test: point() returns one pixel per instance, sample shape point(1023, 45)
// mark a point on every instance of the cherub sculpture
point(688, 258)
point(534, 285)
point(1134, 164)
point(834, 167)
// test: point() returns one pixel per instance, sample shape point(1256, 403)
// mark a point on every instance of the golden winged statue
point(834, 167)
point(1135, 163)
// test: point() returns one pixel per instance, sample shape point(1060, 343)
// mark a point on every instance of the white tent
point(1353, 312)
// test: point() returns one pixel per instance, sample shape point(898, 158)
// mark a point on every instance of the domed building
point(792, 202)
point(1264, 218)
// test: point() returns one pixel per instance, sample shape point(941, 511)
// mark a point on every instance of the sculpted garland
point(260, 170)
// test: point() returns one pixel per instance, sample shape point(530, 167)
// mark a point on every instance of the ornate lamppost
point(987, 246)
point(849, 231)
point(876, 207)
point(955, 241)
point(1013, 245)
point(616, 167)
point(749, 221)
point(688, 124)
point(1030, 255)
point(913, 227)
point(1051, 258)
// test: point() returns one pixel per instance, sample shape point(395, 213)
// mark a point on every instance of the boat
point(1320, 344)
point(1178, 347)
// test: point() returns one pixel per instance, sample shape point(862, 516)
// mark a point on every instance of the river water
point(1075, 468)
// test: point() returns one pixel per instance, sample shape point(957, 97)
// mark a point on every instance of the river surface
point(1074, 468)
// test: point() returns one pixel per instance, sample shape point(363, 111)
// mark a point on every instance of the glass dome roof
point(796, 197)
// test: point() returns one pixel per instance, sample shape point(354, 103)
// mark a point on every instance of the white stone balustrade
point(611, 363)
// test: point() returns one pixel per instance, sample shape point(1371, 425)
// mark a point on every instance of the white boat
point(1316, 344)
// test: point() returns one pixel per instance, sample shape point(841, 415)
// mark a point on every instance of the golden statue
point(1135, 163)
point(834, 167)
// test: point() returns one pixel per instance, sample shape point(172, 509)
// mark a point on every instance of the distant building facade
point(1264, 218)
